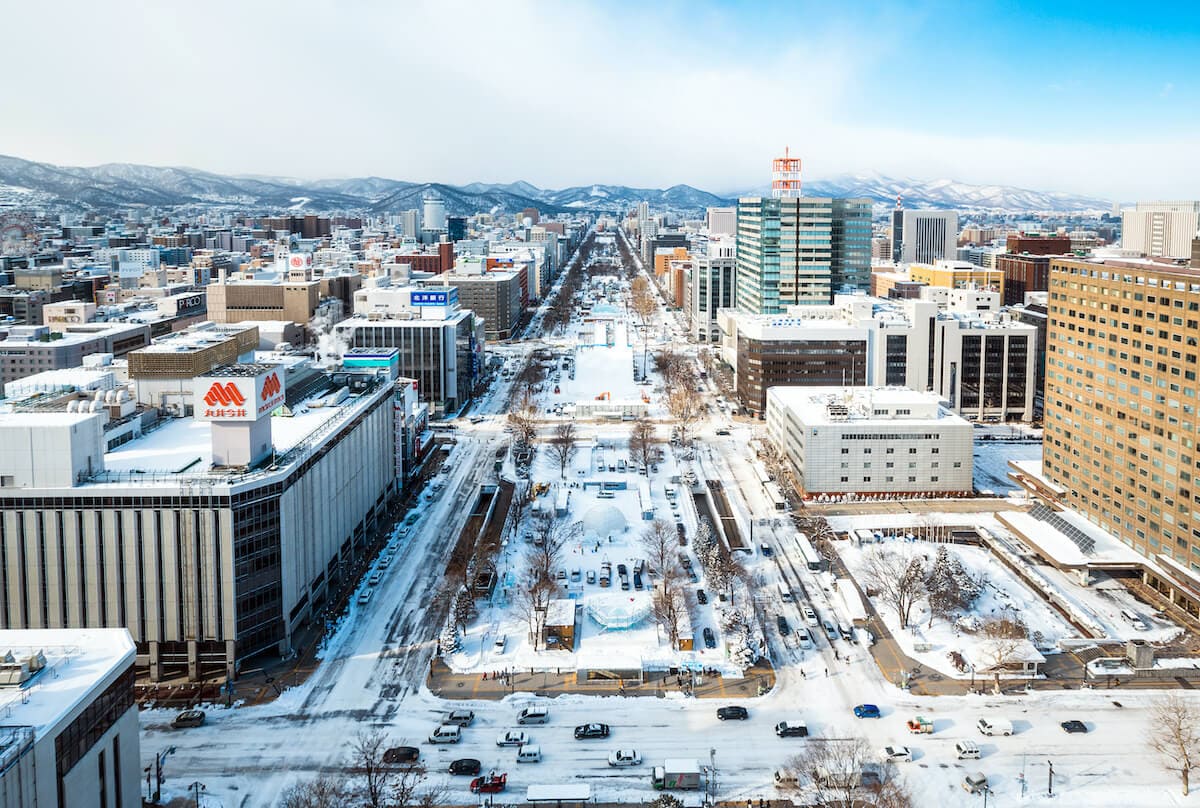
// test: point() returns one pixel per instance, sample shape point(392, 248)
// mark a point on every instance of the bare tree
point(1175, 735)
point(376, 779)
point(523, 420)
point(1005, 636)
point(669, 607)
point(660, 541)
point(532, 600)
point(683, 403)
point(518, 506)
point(550, 536)
point(841, 771)
point(641, 441)
point(897, 578)
point(644, 306)
point(323, 791)
point(562, 446)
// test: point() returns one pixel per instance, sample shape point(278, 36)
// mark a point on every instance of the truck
point(677, 773)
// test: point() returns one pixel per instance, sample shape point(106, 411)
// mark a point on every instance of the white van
point(501, 643)
point(533, 715)
point(994, 726)
point(1136, 622)
point(785, 593)
point(529, 753)
point(446, 733)
point(967, 750)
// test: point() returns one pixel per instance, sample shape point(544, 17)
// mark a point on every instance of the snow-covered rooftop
point(817, 406)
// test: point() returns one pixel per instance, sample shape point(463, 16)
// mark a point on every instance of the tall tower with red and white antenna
point(785, 176)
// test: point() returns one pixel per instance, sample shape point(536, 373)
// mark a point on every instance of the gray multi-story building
point(711, 285)
point(798, 251)
point(34, 349)
point(924, 236)
point(494, 296)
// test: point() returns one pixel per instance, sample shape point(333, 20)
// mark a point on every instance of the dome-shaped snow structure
point(602, 521)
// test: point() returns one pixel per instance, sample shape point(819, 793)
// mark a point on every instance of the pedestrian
point(803, 675)
point(827, 673)
point(485, 676)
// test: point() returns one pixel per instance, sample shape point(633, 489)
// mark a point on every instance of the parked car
point(782, 623)
point(866, 711)
point(530, 753)
point(765, 549)
point(462, 718)
point(469, 766)
point(701, 596)
point(803, 638)
point(622, 569)
point(591, 576)
point(489, 784)
point(591, 731)
point(401, 754)
point(830, 631)
point(734, 713)
point(374, 578)
point(364, 597)
point(1074, 726)
point(710, 641)
point(446, 733)
point(188, 718)
point(810, 617)
point(513, 738)
point(994, 726)
point(975, 783)
point(896, 754)
point(625, 757)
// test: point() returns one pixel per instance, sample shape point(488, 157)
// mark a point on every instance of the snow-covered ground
point(991, 463)
point(374, 666)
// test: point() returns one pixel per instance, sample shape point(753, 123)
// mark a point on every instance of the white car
point(810, 617)
point(805, 642)
point(625, 757)
point(896, 754)
point(513, 738)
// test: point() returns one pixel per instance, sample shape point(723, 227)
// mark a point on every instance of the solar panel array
point(1083, 541)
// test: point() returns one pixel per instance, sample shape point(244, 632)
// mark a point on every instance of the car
point(994, 726)
point(734, 713)
point(463, 718)
point(810, 617)
point(622, 569)
point(1073, 726)
point(710, 641)
point(625, 757)
point(374, 578)
point(402, 754)
point(803, 638)
point(188, 718)
point(782, 623)
point(765, 549)
point(637, 582)
point(513, 737)
point(896, 754)
point(830, 631)
point(975, 783)
point(412, 519)
point(489, 784)
point(364, 597)
point(469, 766)
point(701, 596)
point(723, 432)
point(866, 711)
point(791, 729)
point(692, 576)
point(591, 731)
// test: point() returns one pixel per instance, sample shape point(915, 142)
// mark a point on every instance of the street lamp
point(196, 787)
point(1050, 780)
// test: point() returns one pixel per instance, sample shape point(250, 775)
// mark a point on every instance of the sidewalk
point(446, 684)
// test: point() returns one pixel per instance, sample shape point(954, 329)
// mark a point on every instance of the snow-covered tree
point(949, 587)
point(897, 578)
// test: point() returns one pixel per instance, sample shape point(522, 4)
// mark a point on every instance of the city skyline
point(550, 95)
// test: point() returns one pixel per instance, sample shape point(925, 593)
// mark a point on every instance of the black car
point(637, 581)
point(701, 596)
point(682, 534)
point(710, 641)
point(1074, 726)
point(784, 628)
point(469, 766)
point(732, 713)
point(622, 569)
point(401, 754)
point(591, 731)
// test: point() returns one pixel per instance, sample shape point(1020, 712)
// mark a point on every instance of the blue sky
point(1097, 98)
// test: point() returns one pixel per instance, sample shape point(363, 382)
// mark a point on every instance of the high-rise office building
point(722, 221)
point(924, 236)
point(1120, 400)
point(1161, 229)
point(801, 250)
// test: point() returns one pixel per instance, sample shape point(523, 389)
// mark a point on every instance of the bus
point(812, 558)
point(775, 494)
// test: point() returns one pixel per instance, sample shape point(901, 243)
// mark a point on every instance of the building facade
point(1121, 400)
point(1161, 229)
point(924, 236)
point(69, 735)
point(870, 441)
point(793, 251)
point(711, 285)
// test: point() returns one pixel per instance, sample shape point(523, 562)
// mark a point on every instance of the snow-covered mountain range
point(124, 185)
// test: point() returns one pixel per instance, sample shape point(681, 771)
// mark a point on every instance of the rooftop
point(76, 660)
point(822, 406)
point(196, 339)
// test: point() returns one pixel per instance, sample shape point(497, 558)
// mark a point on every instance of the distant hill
point(125, 185)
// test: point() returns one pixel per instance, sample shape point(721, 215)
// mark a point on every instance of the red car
point(489, 784)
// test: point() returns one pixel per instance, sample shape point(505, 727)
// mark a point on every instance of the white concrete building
point(870, 441)
point(68, 722)
point(710, 285)
point(211, 538)
point(1161, 229)
point(924, 236)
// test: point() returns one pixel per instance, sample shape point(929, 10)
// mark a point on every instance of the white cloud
point(554, 93)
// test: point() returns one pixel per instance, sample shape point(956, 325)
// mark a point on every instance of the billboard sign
point(441, 297)
point(239, 398)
